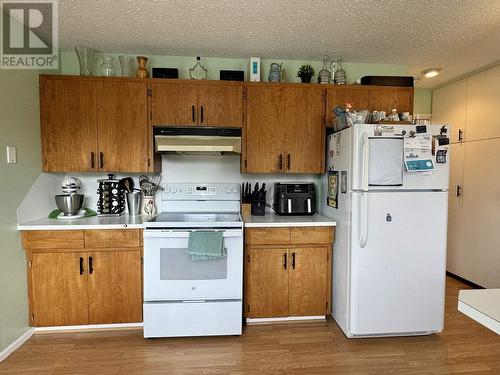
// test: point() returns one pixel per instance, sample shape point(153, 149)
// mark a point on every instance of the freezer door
point(377, 158)
point(397, 279)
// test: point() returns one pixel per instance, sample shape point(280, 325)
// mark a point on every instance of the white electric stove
point(186, 297)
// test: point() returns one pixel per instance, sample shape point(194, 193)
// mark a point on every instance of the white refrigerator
point(387, 187)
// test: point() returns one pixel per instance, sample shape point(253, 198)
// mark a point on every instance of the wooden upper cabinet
point(340, 95)
point(265, 129)
point(205, 104)
point(174, 103)
point(58, 289)
point(388, 98)
point(123, 127)
point(68, 121)
point(220, 105)
point(304, 130)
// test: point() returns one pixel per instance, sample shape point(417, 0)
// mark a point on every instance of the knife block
point(259, 206)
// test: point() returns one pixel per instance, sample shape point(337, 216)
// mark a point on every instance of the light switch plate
point(11, 155)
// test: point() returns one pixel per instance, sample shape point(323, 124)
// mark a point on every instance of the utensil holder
point(134, 200)
point(148, 205)
point(246, 209)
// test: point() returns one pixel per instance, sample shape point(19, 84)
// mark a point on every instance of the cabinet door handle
point(460, 135)
point(284, 262)
point(91, 265)
point(201, 114)
point(81, 266)
point(280, 162)
point(459, 191)
point(288, 161)
point(193, 115)
point(92, 160)
point(293, 260)
point(101, 160)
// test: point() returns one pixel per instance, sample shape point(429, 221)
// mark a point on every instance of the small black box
point(388, 81)
point(232, 75)
point(166, 73)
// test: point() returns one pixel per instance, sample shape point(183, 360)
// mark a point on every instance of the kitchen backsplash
point(176, 168)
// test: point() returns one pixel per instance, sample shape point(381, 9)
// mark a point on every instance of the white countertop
point(270, 219)
point(92, 222)
point(482, 305)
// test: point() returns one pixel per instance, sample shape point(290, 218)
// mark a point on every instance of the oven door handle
point(185, 234)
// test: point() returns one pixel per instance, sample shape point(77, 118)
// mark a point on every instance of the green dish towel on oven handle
point(206, 245)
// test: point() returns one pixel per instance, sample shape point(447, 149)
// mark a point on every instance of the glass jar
point(198, 71)
point(107, 66)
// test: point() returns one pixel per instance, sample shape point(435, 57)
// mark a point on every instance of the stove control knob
point(174, 190)
point(167, 190)
point(235, 191)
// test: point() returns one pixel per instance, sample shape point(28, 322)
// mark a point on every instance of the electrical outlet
point(11, 155)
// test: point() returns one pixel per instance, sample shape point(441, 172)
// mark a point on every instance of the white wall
point(39, 201)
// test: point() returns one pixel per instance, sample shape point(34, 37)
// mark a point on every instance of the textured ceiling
point(457, 35)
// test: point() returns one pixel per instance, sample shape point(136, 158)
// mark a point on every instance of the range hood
point(195, 140)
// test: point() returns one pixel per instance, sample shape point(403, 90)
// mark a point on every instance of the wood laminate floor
point(464, 347)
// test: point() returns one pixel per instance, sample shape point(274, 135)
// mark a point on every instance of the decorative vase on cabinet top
point(107, 66)
point(85, 59)
point(142, 70)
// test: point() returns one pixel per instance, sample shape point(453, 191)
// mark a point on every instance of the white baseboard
point(16, 344)
point(284, 319)
point(88, 327)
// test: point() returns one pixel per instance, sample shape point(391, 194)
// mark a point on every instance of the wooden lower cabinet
point(114, 287)
point(80, 285)
point(268, 285)
point(308, 279)
point(58, 289)
point(291, 279)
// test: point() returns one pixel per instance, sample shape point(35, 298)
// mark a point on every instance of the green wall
point(19, 127)
point(354, 71)
point(422, 101)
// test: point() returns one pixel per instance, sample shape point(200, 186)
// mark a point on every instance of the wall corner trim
point(16, 344)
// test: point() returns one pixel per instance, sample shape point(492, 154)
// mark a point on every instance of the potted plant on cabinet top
point(305, 72)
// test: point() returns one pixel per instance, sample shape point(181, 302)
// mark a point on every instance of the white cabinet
point(473, 235)
point(449, 106)
point(483, 102)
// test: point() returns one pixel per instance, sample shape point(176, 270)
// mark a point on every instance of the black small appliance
point(294, 199)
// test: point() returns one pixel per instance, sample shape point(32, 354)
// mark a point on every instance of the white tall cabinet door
point(398, 277)
point(480, 258)
point(483, 101)
point(456, 249)
point(449, 106)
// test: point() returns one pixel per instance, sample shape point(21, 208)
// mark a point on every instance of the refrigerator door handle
point(366, 160)
point(363, 238)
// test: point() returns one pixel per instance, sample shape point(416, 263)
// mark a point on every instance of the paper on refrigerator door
point(418, 153)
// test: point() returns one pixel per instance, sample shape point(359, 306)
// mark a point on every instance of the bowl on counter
point(69, 204)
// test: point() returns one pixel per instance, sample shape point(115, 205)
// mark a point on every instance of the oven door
point(171, 274)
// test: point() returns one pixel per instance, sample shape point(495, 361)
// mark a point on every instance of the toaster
point(294, 199)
